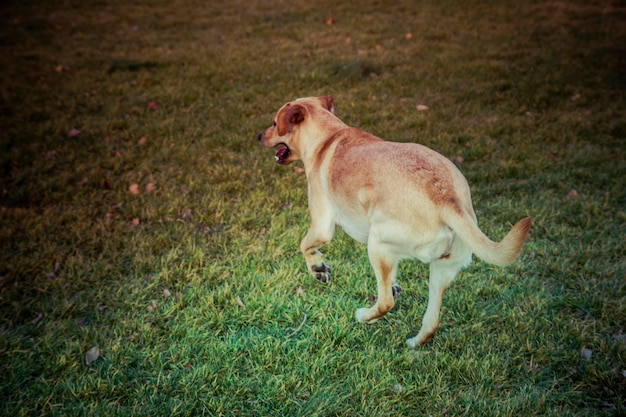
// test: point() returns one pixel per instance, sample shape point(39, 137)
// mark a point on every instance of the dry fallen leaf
point(150, 187)
point(153, 106)
point(167, 293)
point(300, 292)
point(134, 189)
point(408, 35)
point(82, 182)
point(572, 194)
point(92, 355)
point(330, 21)
point(239, 302)
point(37, 319)
point(142, 140)
point(459, 159)
point(184, 214)
point(135, 221)
point(422, 107)
point(73, 133)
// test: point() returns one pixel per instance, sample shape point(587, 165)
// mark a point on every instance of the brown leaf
point(134, 221)
point(422, 107)
point(300, 292)
point(572, 194)
point(167, 293)
point(408, 35)
point(153, 106)
point(330, 21)
point(134, 189)
point(37, 319)
point(184, 214)
point(239, 302)
point(150, 187)
point(142, 140)
point(73, 133)
point(82, 182)
point(459, 159)
point(92, 355)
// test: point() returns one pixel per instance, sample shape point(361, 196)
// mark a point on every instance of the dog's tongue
point(281, 154)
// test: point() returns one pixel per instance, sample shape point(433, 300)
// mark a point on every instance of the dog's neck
point(321, 139)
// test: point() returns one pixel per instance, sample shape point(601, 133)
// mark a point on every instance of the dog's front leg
point(317, 236)
point(385, 267)
point(320, 232)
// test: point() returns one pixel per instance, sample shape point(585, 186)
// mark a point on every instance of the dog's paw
point(321, 273)
point(412, 342)
point(396, 290)
point(362, 314)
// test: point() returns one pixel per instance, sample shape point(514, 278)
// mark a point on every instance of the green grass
point(196, 309)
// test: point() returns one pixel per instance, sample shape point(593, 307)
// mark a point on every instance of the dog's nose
point(259, 136)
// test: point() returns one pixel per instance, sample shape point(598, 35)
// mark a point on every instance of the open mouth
point(282, 153)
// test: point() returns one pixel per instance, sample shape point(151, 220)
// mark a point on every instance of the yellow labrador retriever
point(403, 199)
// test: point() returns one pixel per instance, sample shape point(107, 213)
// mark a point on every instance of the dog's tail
point(498, 253)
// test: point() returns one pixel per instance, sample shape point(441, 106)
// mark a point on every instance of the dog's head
point(297, 126)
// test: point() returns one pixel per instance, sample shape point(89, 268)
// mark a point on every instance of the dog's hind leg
point(386, 268)
point(442, 273)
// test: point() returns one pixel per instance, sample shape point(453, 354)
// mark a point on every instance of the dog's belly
point(356, 227)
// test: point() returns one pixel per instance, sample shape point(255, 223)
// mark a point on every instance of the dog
point(403, 200)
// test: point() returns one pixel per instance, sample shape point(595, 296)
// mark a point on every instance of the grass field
point(139, 215)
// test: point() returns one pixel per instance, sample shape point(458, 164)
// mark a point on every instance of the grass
point(192, 285)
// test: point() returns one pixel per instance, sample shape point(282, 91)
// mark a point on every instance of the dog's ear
point(292, 115)
point(327, 103)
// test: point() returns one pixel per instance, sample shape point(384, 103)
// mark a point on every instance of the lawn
point(149, 260)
